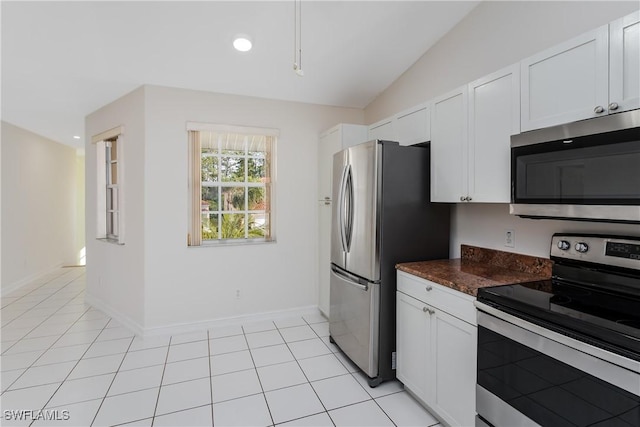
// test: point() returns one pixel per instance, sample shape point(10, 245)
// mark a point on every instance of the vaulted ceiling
point(63, 60)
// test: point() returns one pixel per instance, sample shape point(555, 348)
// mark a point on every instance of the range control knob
point(582, 247)
point(563, 245)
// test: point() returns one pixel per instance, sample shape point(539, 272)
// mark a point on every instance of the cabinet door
point(453, 369)
point(412, 355)
point(567, 82)
point(624, 65)
point(324, 249)
point(449, 147)
point(413, 126)
point(382, 130)
point(353, 135)
point(329, 144)
point(494, 115)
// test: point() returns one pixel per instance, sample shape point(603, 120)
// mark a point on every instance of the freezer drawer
point(354, 319)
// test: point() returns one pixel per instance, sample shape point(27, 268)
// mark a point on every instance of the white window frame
point(196, 185)
point(104, 163)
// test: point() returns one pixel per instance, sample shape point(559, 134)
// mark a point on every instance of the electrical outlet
point(237, 293)
point(510, 238)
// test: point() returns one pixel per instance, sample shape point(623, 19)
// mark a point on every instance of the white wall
point(492, 36)
point(155, 281)
point(484, 224)
point(38, 205)
point(115, 273)
point(191, 285)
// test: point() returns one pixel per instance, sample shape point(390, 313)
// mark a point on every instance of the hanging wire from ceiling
point(297, 37)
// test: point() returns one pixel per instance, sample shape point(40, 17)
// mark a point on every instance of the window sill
point(109, 240)
point(227, 243)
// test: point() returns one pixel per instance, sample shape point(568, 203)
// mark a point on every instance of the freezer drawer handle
point(350, 279)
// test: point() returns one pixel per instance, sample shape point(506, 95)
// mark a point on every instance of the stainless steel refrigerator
point(381, 216)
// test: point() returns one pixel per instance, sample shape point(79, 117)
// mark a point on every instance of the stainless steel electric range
point(564, 351)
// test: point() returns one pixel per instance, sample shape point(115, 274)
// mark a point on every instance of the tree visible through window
point(235, 185)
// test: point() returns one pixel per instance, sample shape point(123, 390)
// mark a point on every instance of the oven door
point(583, 170)
point(529, 376)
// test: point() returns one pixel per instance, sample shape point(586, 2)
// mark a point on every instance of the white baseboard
point(6, 290)
point(114, 313)
point(180, 328)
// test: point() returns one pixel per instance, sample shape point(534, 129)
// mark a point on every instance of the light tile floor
point(63, 359)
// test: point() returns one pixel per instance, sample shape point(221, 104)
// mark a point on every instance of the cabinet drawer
point(439, 297)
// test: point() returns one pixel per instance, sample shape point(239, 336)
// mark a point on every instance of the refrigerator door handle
point(349, 208)
point(341, 210)
point(351, 280)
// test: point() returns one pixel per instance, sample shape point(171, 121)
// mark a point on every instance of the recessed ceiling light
point(76, 137)
point(242, 43)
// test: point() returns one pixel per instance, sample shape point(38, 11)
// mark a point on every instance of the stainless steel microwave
point(586, 170)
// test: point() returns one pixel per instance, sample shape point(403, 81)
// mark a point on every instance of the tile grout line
point(305, 374)
point(314, 390)
point(255, 368)
point(114, 377)
point(210, 374)
point(164, 368)
point(353, 376)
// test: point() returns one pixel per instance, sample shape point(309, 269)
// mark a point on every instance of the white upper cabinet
point(494, 115)
point(383, 130)
point(471, 139)
point(413, 126)
point(329, 144)
point(567, 82)
point(409, 127)
point(449, 147)
point(351, 135)
point(624, 63)
point(594, 74)
point(331, 141)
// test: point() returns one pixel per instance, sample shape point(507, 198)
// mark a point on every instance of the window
point(109, 192)
point(111, 189)
point(231, 184)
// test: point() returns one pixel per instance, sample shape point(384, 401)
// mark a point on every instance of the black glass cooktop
point(607, 317)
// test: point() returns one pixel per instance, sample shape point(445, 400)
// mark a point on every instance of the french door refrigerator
point(381, 216)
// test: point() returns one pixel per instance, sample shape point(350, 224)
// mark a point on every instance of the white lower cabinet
point(412, 347)
point(436, 348)
point(453, 377)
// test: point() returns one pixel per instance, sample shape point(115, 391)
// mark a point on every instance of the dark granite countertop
point(479, 268)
